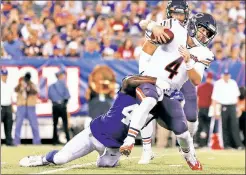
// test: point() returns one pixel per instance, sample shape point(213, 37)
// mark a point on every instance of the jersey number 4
point(127, 113)
point(173, 67)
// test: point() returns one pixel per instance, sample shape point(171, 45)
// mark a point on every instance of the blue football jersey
point(111, 128)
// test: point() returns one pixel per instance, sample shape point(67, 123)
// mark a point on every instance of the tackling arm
point(134, 81)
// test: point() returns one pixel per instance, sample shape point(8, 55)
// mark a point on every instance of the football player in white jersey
point(179, 65)
point(177, 10)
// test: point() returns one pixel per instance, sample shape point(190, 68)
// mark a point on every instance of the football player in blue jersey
point(108, 131)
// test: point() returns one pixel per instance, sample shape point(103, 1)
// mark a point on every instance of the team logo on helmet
point(199, 15)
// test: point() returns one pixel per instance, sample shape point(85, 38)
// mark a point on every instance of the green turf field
point(167, 161)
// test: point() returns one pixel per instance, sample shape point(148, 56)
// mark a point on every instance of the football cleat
point(192, 161)
point(32, 161)
point(126, 149)
point(146, 157)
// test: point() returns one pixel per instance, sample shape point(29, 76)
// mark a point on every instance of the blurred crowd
point(105, 29)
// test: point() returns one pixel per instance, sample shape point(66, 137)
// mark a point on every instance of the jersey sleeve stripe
point(140, 94)
point(134, 129)
point(133, 133)
point(170, 23)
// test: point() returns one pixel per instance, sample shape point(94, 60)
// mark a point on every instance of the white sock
point(185, 142)
point(147, 147)
point(140, 115)
point(192, 127)
point(146, 134)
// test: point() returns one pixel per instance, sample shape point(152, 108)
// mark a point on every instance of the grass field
point(167, 161)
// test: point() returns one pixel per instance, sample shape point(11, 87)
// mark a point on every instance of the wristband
point(190, 64)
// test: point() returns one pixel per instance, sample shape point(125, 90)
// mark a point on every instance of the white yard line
point(77, 166)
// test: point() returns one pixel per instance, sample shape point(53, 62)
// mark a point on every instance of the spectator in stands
point(231, 38)
point(50, 29)
point(13, 47)
point(235, 53)
point(38, 7)
point(101, 26)
point(236, 10)
point(241, 28)
point(117, 19)
point(204, 93)
point(14, 16)
point(219, 55)
point(59, 95)
point(73, 7)
point(59, 51)
point(3, 52)
point(14, 27)
point(91, 50)
point(26, 108)
point(155, 15)
point(33, 46)
point(73, 50)
point(108, 49)
point(48, 49)
point(6, 106)
point(227, 113)
point(126, 51)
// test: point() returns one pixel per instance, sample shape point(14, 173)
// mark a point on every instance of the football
point(169, 33)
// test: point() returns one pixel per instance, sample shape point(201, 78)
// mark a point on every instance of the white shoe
point(31, 161)
point(146, 157)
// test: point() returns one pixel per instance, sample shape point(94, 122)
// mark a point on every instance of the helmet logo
point(199, 15)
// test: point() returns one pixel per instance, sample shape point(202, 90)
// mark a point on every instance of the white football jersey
point(170, 66)
point(180, 38)
point(180, 35)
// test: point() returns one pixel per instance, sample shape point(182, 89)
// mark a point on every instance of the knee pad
point(147, 90)
point(179, 127)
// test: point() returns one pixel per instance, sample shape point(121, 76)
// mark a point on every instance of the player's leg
point(190, 107)
point(191, 113)
point(146, 134)
point(148, 95)
point(177, 121)
point(77, 147)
